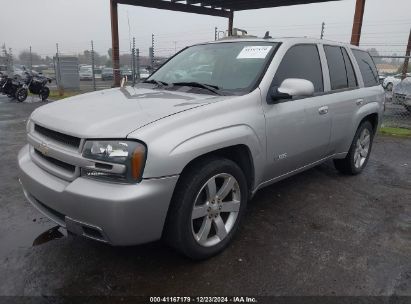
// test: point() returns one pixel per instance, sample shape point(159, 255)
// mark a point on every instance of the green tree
point(24, 58)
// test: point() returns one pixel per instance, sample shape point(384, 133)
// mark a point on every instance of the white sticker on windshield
point(254, 52)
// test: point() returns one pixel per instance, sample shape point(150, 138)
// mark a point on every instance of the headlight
point(109, 154)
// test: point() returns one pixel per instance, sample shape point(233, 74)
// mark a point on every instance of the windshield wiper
point(213, 88)
point(157, 82)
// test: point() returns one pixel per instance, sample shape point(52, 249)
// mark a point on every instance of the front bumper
point(118, 214)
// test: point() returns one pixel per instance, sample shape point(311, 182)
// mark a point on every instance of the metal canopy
point(219, 8)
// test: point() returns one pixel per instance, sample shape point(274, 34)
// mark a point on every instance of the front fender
point(180, 154)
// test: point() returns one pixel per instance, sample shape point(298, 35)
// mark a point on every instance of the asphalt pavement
point(317, 233)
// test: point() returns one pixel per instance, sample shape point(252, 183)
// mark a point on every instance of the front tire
point(359, 153)
point(21, 94)
point(44, 94)
point(207, 206)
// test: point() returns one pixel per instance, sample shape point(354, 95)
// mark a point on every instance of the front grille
point(60, 137)
point(56, 162)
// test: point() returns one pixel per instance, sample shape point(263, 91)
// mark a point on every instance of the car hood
point(116, 112)
point(404, 87)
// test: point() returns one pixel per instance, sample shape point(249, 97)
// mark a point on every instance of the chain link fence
point(94, 69)
point(397, 110)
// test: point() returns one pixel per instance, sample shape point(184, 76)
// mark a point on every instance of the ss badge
point(282, 156)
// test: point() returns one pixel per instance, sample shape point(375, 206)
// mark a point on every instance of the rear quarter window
point(367, 67)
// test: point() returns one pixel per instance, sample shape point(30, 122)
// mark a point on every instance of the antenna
point(129, 31)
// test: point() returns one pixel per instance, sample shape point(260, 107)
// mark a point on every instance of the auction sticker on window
point(254, 52)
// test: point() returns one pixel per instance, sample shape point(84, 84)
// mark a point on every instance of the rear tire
point(359, 153)
point(207, 206)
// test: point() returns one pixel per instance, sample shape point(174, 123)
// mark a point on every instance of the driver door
point(298, 130)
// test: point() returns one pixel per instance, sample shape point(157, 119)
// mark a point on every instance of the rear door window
point(336, 67)
point(352, 79)
point(301, 61)
point(367, 67)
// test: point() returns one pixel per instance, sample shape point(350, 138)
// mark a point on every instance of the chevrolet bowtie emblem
point(43, 148)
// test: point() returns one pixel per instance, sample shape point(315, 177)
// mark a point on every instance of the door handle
point(323, 110)
point(359, 102)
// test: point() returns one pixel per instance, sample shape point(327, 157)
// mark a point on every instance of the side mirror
point(292, 87)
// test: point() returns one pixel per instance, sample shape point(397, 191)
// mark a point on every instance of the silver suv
point(178, 156)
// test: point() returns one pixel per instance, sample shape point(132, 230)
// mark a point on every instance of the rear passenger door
point(344, 97)
point(298, 132)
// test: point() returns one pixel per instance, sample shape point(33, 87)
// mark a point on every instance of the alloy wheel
point(362, 148)
point(215, 210)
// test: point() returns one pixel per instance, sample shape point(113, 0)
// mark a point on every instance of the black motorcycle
point(15, 88)
point(36, 84)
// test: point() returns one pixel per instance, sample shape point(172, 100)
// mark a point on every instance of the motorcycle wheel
point(44, 94)
point(21, 94)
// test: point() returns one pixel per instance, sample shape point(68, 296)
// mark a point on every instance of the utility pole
point(115, 52)
point(407, 58)
point(138, 63)
point(58, 72)
point(92, 65)
point(322, 30)
point(357, 23)
point(230, 23)
point(31, 60)
point(151, 55)
point(152, 51)
point(11, 59)
point(175, 46)
point(133, 61)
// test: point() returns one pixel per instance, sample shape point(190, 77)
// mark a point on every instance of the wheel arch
point(239, 154)
point(373, 119)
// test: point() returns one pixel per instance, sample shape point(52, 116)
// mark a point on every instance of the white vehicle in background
point(86, 73)
point(391, 81)
point(144, 73)
point(401, 93)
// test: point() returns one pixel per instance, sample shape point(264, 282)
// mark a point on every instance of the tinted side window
point(301, 61)
point(336, 66)
point(352, 79)
point(367, 67)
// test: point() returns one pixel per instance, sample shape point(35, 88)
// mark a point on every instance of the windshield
point(226, 66)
